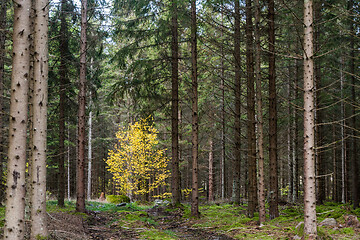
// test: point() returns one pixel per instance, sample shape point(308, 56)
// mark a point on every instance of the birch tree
point(39, 124)
point(14, 227)
point(309, 128)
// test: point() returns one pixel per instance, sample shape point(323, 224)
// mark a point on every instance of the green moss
point(116, 199)
point(154, 234)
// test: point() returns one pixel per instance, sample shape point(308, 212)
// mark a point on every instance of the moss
point(116, 199)
point(154, 234)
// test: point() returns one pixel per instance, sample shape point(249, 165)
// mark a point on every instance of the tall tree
point(15, 195)
point(251, 137)
point(39, 123)
point(274, 211)
point(89, 176)
point(260, 118)
point(175, 176)
point(80, 182)
point(63, 76)
point(3, 8)
point(211, 169)
point(354, 160)
point(195, 119)
point(320, 160)
point(309, 128)
point(237, 89)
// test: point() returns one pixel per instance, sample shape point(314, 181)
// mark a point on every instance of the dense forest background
point(249, 76)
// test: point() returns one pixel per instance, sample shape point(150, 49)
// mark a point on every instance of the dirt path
point(105, 226)
point(181, 228)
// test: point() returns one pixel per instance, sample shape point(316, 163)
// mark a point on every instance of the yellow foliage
point(136, 163)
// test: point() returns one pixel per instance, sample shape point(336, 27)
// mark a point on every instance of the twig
point(325, 212)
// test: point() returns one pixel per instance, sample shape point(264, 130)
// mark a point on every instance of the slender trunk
point(80, 181)
point(62, 102)
point(274, 211)
point(223, 126)
point(290, 141)
point(251, 137)
point(14, 227)
point(260, 118)
point(309, 121)
point(335, 175)
point(39, 130)
point(318, 113)
point(89, 177)
point(3, 8)
point(211, 169)
point(343, 151)
point(195, 126)
point(296, 138)
point(354, 160)
point(68, 166)
point(237, 124)
point(175, 176)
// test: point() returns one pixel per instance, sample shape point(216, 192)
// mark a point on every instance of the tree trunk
point(211, 169)
point(260, 118)
point(237, 124)
point(3, 8)
point(309, 122)
point(274, 211)
point(89, 177)
point(69, 165)
point(223, 126)
point(175, 176)
point(318, 113)
point(354, 160)
point(342, 124)
point(15, 195)
point(251, 137)
point(296, 137)
point(334, 162)
point(290, 140)
point(80, 181)
point(195, 126)
point(64, 51)
point(39, 129)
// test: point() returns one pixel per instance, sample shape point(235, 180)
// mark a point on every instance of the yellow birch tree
point(137, 163)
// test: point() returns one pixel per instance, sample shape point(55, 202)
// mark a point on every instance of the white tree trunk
point(15, 194)
point(39, 130)
point(309, 126)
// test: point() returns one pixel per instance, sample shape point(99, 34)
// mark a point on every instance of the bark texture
point(195, 125)
point(80, 181)
point(354, 160)
point(260, 118)
point(309, 128)
point(211, 169)
point(39, 124)
point(64, 51)
point(274, 211)
point(15, 193)
point(251, 137)
point(237, 89)
point(3, 8)
point(175, 173)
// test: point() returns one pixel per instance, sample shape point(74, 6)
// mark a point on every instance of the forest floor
point(221, 221)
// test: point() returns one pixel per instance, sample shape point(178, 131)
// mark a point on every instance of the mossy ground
point(225, 219)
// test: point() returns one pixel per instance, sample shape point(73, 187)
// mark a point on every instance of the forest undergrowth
point(218, 221)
